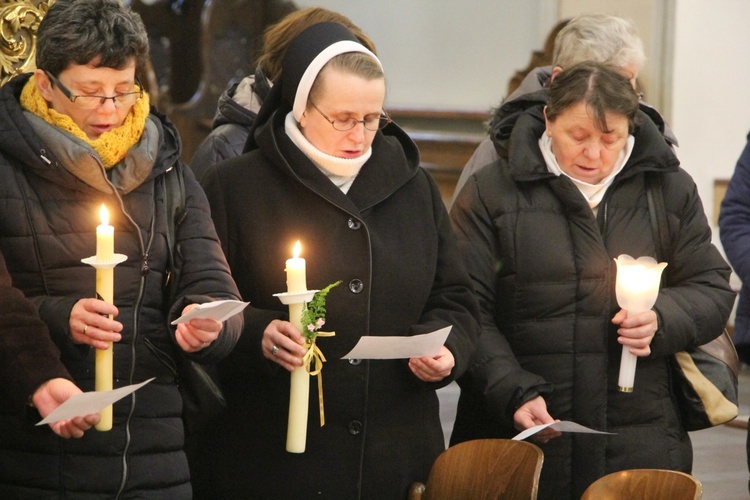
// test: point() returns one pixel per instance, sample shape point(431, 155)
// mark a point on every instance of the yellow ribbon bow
point(313, 362)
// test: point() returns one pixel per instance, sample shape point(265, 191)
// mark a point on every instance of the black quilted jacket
point(543, 269)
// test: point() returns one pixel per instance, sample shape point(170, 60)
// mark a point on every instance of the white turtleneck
point(341, 171)
point(593, 193)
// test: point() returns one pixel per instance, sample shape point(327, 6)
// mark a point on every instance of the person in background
point(31, 373)
point(326, 166)
point(734, 231)
point(539, 232)
point(79, 133)
point(599, 38)
point(539, 58)
point(239, 104)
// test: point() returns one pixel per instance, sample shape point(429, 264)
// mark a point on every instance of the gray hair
point(600, 38)
point(100, 32)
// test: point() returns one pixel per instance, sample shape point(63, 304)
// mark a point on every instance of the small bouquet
point(314, 313)
point(313, 319)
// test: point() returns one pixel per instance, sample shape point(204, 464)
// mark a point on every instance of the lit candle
point(105, 244)
point(636, 288)
point(105, 237)
point(299, 394)
point(296, 279)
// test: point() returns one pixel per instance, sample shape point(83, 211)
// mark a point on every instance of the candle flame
point(104, 215)
point(297, 249)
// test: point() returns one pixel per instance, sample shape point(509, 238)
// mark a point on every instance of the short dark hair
point(102, 32)
point(601, 87)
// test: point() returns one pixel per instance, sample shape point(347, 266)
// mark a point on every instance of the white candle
point(636, 288)
point(105, 244)
point(296, 278)
point(299, 391)
point(105, 237)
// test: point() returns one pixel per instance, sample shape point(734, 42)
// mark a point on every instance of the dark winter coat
point(543, 269)
point(389, 240)
point(28, 358)
point(47, 226)
point(734, 229)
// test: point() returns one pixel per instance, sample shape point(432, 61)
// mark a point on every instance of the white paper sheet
point(87, 403)
point(415, 346)
point(218, 310)
point(562, 426)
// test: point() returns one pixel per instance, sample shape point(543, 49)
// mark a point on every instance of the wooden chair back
point(484, 469)
point(645, 484)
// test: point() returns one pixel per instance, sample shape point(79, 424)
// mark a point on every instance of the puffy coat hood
point(533, 91)
point(240, 103)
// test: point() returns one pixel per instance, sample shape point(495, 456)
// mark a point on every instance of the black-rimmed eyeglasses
point(95, 101)
point(372, 124)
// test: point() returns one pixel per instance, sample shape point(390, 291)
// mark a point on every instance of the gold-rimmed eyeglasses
point(95, 101)
point(372, 124)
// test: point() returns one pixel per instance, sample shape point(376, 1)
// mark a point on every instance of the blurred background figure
point(734, 230)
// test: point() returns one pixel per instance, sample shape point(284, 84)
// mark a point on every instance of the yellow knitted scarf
point(113, 145)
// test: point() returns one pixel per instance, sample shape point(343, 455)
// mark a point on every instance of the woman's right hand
point(50, 395)
point(89, 323)
point(283, 344)
point(532, 413)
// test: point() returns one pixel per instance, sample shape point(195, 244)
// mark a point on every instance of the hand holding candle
point(636, 288)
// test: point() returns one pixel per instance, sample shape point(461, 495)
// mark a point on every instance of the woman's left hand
point(198, 333)
point(433, 368)
point(636, 330)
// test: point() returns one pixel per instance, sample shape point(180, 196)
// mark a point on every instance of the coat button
point(355, 362)
point(356, 286)
point(353, 223)
point(354, 427)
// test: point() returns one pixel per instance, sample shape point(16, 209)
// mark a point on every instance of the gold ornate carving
point(19, 21)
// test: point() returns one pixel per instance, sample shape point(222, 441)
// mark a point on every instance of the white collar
point(592, 192)
point(341, 171)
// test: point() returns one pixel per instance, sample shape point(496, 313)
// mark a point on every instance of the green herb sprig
point(314, 313)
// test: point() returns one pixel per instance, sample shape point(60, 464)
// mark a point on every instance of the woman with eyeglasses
point(78, 133)
point(327, 167)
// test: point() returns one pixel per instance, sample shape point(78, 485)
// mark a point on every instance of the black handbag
point(704, 378)
point(202, 397)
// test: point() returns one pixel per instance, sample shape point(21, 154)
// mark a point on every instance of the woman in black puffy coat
point(76, 134)
point(539, 231)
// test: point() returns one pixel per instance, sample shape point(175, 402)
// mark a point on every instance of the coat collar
point(650, 152)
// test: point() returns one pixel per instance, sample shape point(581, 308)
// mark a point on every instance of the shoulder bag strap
point(658, 215)
point(173, 188)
